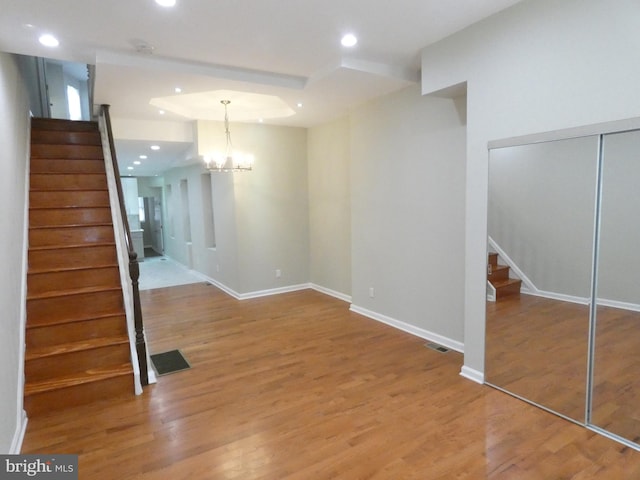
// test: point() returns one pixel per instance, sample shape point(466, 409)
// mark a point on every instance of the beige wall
point(261, 217)
point(330, 206)
point(14, 138)
point(407, 212)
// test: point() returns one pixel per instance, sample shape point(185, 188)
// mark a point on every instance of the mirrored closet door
point(563, 323)
point(615, 402)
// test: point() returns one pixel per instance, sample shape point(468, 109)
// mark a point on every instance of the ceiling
point(285, 48)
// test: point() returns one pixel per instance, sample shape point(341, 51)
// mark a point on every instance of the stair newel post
point(134, 267)
point(141, 348)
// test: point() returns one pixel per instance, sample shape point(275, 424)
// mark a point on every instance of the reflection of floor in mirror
point(161, 272)
point(537, 348)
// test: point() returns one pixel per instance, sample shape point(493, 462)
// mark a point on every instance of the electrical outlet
point(278, 273)
point(371, 292)
point(217, 268)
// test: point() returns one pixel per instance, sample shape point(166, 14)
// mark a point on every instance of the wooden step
point(80, 389)
point(492, 259)
point(45, 282)
point(68, 181)
point(73, 257)
point(66, 137)
point(49, 335)
point(84, 152)
point(58, 165)
point(498, 272)
point(508, 287)
point(73, 358)
point(70, 235)
point(68, 199)
point(69, 216)
point(63, 125)
point(84, 305)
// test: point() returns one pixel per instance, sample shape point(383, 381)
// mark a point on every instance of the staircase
point(77, 346)
point(498, 275)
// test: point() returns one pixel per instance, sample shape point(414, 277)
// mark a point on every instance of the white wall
point(14, 138)
point(407, 211)
point(540, 65)
point(330, 207)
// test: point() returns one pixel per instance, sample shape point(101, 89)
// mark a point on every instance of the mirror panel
point(616, 370)
point(541, 221)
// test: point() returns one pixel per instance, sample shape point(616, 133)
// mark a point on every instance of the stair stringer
point(123, 262)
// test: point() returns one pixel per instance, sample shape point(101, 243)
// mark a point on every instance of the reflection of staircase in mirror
point(498, 276)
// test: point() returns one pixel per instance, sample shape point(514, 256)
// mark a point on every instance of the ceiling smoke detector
point(143, 47)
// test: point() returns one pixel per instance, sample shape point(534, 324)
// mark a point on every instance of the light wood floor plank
point(296, 386)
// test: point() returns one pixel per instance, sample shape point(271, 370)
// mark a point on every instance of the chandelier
point(231, 160)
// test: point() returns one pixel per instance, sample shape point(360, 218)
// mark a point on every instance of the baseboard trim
point(273, 291)
point(472, 374)
point(332, 293)
point(18, 437)
point(412, 329)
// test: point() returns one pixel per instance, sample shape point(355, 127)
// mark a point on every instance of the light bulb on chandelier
point(231, 160)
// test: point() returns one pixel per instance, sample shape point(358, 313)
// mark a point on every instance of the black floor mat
point(169, 362)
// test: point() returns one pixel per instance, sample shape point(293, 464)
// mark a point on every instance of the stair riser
point(54, 124)
point(499, 274)
point(46, 311)
point(68, 216)
point(60, 181)
point(66, 151)
point(49, 335)
point(55, 400)
point(52, 237)
point(66, 166)
point(68, 258)
point(65, 137)
point(75, 362)
point(40, 283)
point(68, 199)
point(493, 259)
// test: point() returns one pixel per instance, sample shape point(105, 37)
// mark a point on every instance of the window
point(73, 100)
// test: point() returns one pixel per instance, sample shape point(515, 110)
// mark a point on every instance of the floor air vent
point(436, 347)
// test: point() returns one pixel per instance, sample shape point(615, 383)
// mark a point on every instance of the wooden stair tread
point(38, 271)
point(88, 344)
point(71, 225)
point(78, 320)
point(75, 291)
point(507, 282)
point(89, 376)
point(75, 245)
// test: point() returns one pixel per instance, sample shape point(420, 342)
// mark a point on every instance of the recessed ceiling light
point(129, 168)
point(177, 90)
point(49, 40)
point(349, 40)
point(155, 147)
point(166, 3)
point(299, 104)
point(161, 112)
point(260, 120)
point(137, 162)
point(142, 157)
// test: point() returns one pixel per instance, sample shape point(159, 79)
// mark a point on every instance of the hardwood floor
point(537, 348)
point(295, 386)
